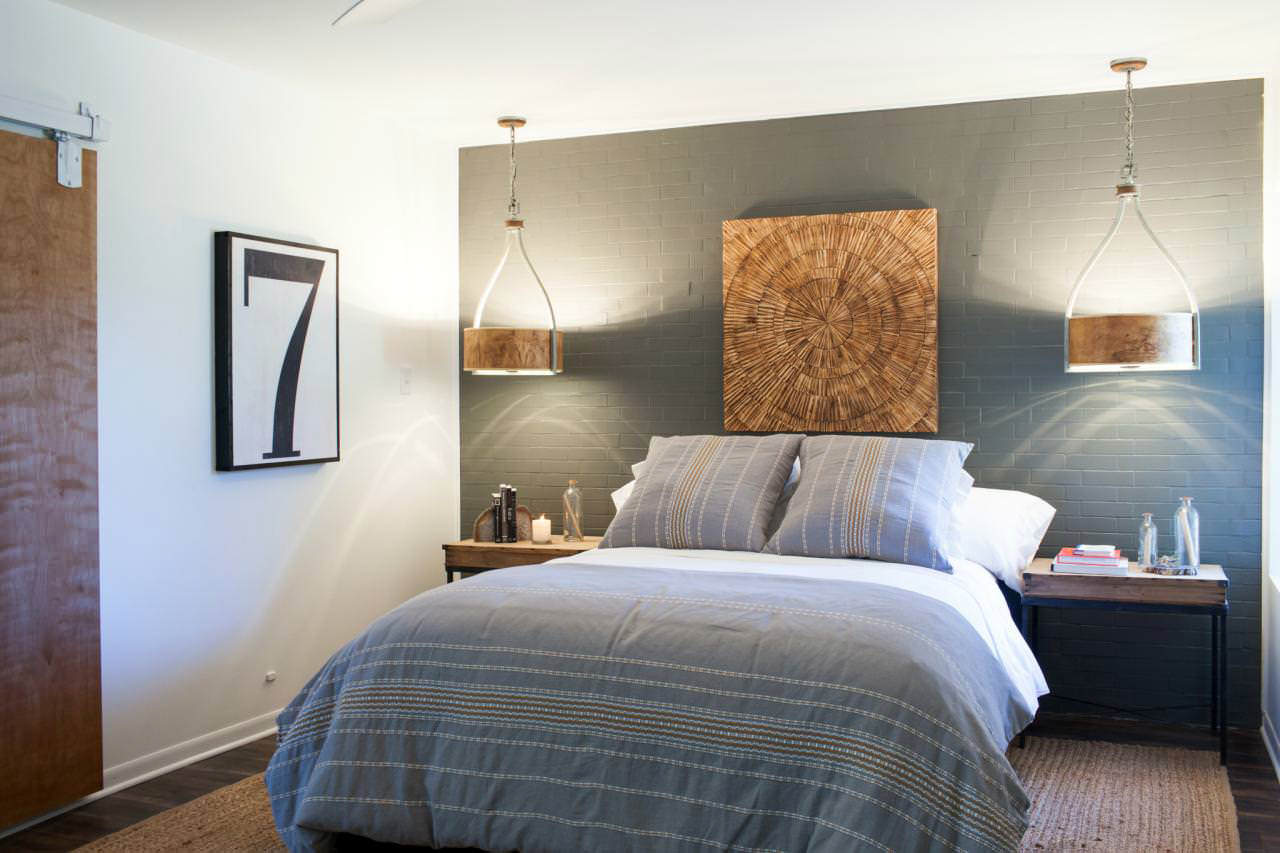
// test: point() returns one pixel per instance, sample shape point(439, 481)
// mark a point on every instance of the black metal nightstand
point(1140, 592)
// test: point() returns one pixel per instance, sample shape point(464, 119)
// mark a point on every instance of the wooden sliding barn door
point(50, 681)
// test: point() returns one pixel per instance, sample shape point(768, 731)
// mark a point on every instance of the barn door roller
point(69, 130)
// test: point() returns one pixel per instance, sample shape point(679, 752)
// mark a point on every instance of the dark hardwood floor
point(111, 813)
point(1253, 782)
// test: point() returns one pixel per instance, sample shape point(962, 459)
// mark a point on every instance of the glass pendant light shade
point(1167, 340)
point(505, 350)
point(1116, 342)
point(499, 350)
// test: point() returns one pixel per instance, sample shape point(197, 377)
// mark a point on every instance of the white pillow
point(621, 494)
point(958, 499)
point(1000, 530)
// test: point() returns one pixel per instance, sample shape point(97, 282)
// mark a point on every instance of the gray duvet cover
point(582, 707)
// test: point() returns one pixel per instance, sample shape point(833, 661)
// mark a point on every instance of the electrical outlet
point(406, 381)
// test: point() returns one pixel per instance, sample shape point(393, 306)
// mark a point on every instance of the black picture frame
point(274, 265)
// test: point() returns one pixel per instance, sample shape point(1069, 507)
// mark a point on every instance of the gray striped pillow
point(705, 491)
point(874, 497)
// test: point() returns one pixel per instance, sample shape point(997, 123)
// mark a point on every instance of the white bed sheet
point(972, 592)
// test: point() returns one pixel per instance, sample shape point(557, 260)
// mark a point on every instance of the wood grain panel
point(500, 348)
point(50, 687)
point(1132, 339)
point(1208, 588)
point(500, 555)
point(831, 323)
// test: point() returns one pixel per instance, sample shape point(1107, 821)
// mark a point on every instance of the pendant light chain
point(1129, 173)
point(513, 206)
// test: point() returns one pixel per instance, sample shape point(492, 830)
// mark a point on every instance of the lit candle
point(541, 530)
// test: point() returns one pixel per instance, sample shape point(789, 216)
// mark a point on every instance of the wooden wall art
point(831, 323)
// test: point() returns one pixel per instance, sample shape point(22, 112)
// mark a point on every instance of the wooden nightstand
point(469, 556)
point(1140, 592)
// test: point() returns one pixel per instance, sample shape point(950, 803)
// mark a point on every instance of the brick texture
point(625, 230)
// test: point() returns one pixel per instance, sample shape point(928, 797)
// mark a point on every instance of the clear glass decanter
point(1148, 540)
point(572, 513)
point(1186, 531)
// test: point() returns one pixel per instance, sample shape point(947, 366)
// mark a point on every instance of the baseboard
point(1272, 742)
point(137, 770)
point(162, 761)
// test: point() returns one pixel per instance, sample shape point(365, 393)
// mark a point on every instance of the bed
point(666, 699)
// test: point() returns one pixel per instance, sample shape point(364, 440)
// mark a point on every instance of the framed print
point(275, 352)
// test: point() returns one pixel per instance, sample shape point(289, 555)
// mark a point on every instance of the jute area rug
point(1086, 795)
point(1093, 795)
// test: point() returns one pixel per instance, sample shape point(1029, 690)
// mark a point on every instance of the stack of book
point(504, 514)
point(1091, 560)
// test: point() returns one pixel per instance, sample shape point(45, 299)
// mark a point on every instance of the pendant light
point(1123, 342)
point(500, 350)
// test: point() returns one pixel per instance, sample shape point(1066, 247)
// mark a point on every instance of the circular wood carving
point(830, 323)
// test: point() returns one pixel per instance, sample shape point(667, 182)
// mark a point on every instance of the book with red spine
point(1074, 555)
point(1094, 562)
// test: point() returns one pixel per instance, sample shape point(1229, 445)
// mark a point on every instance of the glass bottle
point(572, 513)
point(1148, 540)
point(1186, 531)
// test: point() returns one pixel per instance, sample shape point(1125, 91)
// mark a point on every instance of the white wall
point(1271, 419)
point(211, 579)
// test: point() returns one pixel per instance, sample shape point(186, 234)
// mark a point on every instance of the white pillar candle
point(541, 530)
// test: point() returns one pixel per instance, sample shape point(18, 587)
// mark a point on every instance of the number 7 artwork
point(275, 352)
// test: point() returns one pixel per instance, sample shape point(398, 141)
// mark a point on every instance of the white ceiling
point(593, 66)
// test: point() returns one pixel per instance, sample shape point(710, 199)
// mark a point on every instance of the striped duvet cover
point(588, 706)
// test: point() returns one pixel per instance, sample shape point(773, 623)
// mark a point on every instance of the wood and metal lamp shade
point(1112, 343)
point(498, 351)
point(1116, 342)
point(504, 351)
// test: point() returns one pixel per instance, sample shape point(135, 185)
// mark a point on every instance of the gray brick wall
point(625, 230)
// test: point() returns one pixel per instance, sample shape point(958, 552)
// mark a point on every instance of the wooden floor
point(1253, 782)
point(105, 816)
